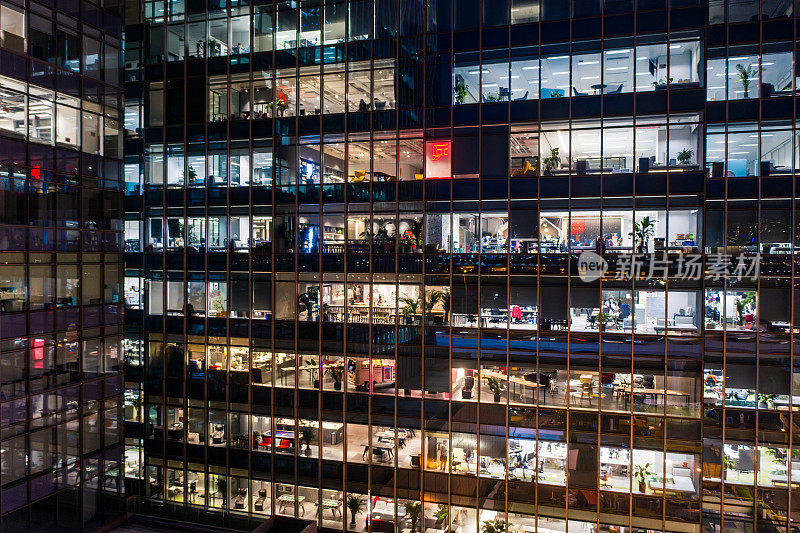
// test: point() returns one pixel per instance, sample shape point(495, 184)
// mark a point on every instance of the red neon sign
point(38, 353)
point(440, 150)
point(36, 172)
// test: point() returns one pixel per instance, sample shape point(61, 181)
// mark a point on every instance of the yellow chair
point(419, 176)
point(359, 175)
point(527, 168)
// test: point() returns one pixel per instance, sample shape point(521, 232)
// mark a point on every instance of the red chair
point(285, 443)
point(266, 441)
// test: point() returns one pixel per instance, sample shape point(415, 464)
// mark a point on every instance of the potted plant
point(307, 434)
point(440, 514)
point(641, 473)
point(662, 83)
point(742, 303)
point(355, 505)
point(552, 161)
point(685, 156)
point(280, 105)
point(336, 371)
point(769, 401)
point(642, 233)
point(410, 309)
point(218, 308)
point(413, 512)
point(729, 464)
point(412, 238)
point(382, 240)
point(493, 526)
point(308, 301)
point(222, 489)
point(602, 320)
point(461, 90)
point(444, 299)
point(496, 387)
point(431, 299)
point(312, 371)
point(365, 235)
point(192, 175)
point(745, 77)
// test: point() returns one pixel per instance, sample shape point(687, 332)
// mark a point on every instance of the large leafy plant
point(642, 233)
point(745, 77)
point(461, 90)
point(355, 505)
point(553, 160)
point(493, 526)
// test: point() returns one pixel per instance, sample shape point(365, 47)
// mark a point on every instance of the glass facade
point(356, 246)
point(61, 269)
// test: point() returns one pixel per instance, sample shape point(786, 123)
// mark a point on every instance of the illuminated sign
point(440, 150)
point(36, 172)
point(38, 353)
point(437, 160)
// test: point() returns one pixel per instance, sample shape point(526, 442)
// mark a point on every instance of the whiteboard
point(656, 305)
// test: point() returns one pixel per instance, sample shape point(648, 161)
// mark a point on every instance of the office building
point(360, 274)
point(61, 244)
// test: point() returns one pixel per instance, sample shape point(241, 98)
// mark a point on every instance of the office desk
point(388, 448)
point(676, 327)
point(679, 485)
point(485, 374)
point(651, 392)
point(387, 437)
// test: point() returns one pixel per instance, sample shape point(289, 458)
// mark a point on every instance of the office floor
point(352, 446)
point(603, 395)
point(570, 391)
